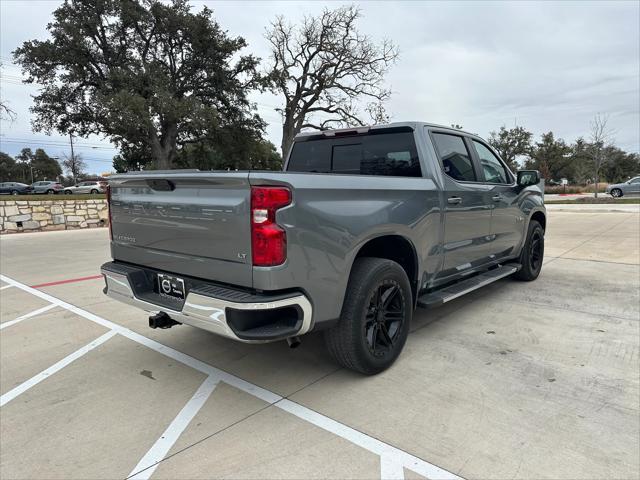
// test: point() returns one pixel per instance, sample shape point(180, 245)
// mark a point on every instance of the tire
point(616, 193)
point(14, 192)
point(364, 339)
point(94, 191)
point(51, 192)
point(532, 253)
point(68, 192)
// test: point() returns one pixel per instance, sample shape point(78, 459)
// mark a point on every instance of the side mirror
point(526, 178)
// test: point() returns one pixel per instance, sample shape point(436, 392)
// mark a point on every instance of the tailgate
point(193, 224)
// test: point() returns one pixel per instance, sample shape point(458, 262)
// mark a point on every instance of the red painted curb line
point(72, 280)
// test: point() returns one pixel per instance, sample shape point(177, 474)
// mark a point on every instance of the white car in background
point(630, 187)
point(93, 186)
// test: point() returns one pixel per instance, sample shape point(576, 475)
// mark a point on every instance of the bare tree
point(6, 113)
point(601, 136)
point(325, 69)
point(75, 165)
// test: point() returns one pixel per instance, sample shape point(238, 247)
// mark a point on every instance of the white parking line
point(389, 455)
point(23, 387)
point(390, 469)
point(27, 315)
point(5, 287)
point(145, 467)
point(392, 458)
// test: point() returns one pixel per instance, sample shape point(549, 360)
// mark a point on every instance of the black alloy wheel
point(536, 252)
point(375, 318)
point(532, 254)
point(384, 317)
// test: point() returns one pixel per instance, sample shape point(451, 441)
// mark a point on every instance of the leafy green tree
point(45, 167)
point(618, 165)
point(37, 166)
point(24, 159)
point(151, 76)
point(9, 171)
point(511, 143)
point(258, 155)
point(551, 156)
point(581, 162)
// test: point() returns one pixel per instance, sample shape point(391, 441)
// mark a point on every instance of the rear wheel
point(67, 192)
point(616, 192)
point(532, 253)
point(93, 190)
point(375, 318)
point(14, 192)
point(51, 192)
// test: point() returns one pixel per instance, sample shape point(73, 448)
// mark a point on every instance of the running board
point(439, 297)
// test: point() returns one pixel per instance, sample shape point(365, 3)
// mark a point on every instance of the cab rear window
point(388, 154)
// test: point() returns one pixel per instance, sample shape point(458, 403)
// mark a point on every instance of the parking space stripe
point(390, 469)
point(388, 453)
point(394, 457)
point(5, 287)
point(71, 280)
point(205, 368)
point(27, 315)
point(145, 467)
point(23, 387)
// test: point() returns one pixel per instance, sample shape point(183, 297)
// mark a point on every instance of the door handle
point(496, 198)
point(454, 200)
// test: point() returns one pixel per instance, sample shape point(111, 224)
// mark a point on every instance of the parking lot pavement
point(518, 380)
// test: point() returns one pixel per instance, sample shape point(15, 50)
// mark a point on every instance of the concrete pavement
point(518, 380)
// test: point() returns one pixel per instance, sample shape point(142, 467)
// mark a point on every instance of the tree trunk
point(597, 174)
point(163, 149)
point(288, 134)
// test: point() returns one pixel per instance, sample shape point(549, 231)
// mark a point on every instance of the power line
point(53, 143)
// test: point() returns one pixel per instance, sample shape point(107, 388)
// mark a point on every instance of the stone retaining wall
point(35, 215)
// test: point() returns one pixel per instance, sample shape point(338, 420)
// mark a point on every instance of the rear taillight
point(268, 239)
point(109, 210)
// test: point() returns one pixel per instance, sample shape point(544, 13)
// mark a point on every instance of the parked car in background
point(14, 188)
point(91, 186)
point(630, 187)
point(46, 186)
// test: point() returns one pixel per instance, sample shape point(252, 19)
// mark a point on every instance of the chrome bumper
point(202, 311)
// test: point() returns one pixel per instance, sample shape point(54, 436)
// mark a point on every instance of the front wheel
point(94, 191)
point(51, 192)
point(375, 317)
point(68, 192)
point(532, 253)
point(616, 193)
point(14, 192)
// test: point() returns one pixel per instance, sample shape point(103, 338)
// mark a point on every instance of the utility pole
point(73, 159)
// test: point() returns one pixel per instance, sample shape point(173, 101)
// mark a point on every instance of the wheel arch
point(540, 217)
point(397, 248)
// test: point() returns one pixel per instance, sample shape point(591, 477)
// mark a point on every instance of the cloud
point(546, 66)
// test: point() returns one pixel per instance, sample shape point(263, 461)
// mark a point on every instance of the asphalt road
point(517, 380)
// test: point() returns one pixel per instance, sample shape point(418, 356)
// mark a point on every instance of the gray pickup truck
point(361, 227)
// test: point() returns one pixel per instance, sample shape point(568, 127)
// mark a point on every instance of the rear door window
point(455, 158)
point(389, 154)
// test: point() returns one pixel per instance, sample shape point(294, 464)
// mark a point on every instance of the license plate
point(171, 286)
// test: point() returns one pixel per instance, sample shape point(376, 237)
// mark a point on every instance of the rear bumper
point(232, 313)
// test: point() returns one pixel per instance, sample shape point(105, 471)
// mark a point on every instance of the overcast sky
point(545, 66)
